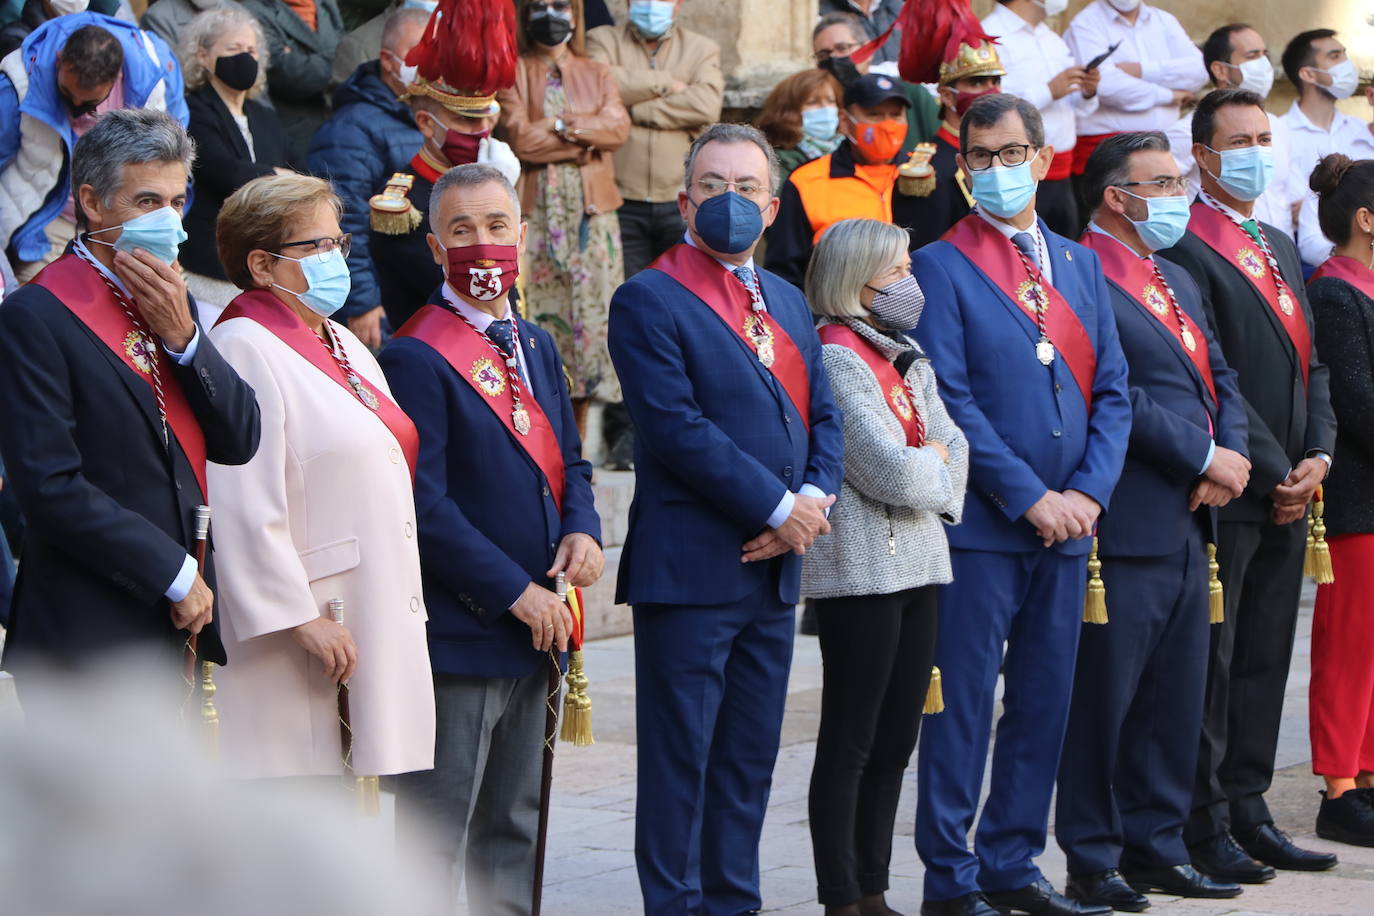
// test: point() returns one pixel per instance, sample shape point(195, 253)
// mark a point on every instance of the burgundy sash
point(1339, 267)
point(894, 389)
point(1236, 246)
point(85, 294)
point(274, 315)
point(722, 292)
point(472, 357)
point(994, 254)
point(1136, 278)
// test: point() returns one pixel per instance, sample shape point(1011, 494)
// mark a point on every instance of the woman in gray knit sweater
point(875, 575)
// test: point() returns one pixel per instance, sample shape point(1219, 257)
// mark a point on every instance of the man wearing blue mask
point(1126, 773)
point(738, 455)
point(1253, 293)
point(1019, 327)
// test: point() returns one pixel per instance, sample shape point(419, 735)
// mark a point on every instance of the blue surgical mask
point(327, 281)
point(1245, 172)
point(159, 233)
point(651, 17)
point(1004, 190)
point(821, 123)
point(729, 223)
point(1166, 219)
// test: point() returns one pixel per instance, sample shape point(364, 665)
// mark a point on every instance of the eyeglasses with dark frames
point(978, 158)
point(322, 246)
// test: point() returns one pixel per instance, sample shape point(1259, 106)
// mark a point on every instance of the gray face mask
point(898, 306)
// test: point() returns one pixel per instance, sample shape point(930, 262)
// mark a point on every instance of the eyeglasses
point(714, 187)
point(840, 50)
point(1172, 187)
point(324, 245)
point(978, 158)
point(558, 6)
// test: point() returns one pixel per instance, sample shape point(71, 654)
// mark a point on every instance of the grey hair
point(723, 132)
point(849, 255)
point(470, 175)
point(397, 23)
point(1110, 164)
point(840, 17)
point(988, 110)
point(202, 33)
point(126, 136)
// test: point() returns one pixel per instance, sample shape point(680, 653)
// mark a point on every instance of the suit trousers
point(477, 811)
point(1261, 570)
point(1130, 752)
point(1031, 604)
point(711, 685)
point(648, 229)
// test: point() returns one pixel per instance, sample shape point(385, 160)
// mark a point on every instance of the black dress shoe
point(1221, 858)
point(1179, 881)
point(967, 905)
point(1348, 819)
point(1106, 888)
point(1041, 899)
point(1272, 846)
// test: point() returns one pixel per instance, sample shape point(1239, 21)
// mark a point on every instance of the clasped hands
point(580, 560)
point(1058, 517)
point(1224, 480)
point(806, 523)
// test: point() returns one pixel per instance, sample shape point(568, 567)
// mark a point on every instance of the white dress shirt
point(482, 320)
point(1168, 60)
point(1033, 55)
point(1008, 230)
point(1274, 205)
point(1308, 144)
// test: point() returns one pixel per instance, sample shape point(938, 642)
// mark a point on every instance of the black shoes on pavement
point(1348, 819)
point(1106, 888)
point(1270, 845)
point(1041, 899)
point(1223, 859)
point(1179, 881)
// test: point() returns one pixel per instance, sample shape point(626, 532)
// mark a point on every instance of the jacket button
point(1058, 387)
point(786, 418)
point(787, 471)
point(178, 484)
point(394, 455)
point(1057, 433)
point(410, 530)
point(546, 491)
point(414, 605)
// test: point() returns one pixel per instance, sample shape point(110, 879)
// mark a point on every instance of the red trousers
point(1341, 696)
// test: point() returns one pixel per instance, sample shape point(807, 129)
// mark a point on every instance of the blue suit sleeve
point(340, 152)
point(1109, 426)
point(579, 511)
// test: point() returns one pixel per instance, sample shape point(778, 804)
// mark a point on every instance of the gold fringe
point(935, 694)
point(1095, 601)
point(209, 715)
point(369, 791)
point(577, 706)
point(1317, 561)
point(396, 223)
point(1216, 597)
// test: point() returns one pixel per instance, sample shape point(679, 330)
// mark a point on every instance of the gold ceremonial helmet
point(972, 60)
point(457, 101)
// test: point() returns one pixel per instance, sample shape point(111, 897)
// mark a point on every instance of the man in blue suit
point(1130, 754)
point(504, 505)
point(738, 452)
point(1020, 330)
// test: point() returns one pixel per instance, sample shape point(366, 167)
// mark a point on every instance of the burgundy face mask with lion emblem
point(484, 272)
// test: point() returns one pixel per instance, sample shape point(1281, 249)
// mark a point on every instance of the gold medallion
point(761, 336)
point(900, 402)
point(1155, 300)
point(521, 418)
point(1044, 351)
point(1250, 262)
point(488, 377)
point(1285, 301)
point(140, 350)
point(1188, 340)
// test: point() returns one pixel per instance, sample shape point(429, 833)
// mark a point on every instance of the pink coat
point(324, 510)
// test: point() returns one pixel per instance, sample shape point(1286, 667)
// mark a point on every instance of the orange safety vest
point(831, 191)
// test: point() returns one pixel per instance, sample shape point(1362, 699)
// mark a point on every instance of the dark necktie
point(751, 283)
point(1026, 242)
point(502, 333)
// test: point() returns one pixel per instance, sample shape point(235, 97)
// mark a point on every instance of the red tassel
point(468, 45)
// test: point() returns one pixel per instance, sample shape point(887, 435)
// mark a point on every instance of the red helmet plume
point(466, 55)
point(932, 31)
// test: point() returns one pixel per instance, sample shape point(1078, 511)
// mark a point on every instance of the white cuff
point(1211, 453)
point(184, 359)
point(784, 509)
point(181, 585)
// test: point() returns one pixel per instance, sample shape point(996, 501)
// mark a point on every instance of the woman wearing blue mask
point(323, 511)
point(801, 118)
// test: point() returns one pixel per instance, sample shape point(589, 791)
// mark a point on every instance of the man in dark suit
point(1126, 776)
point(738, 452)
point(1019, 328)
point(1253, 294)
point(112, 399)
point(503, 501)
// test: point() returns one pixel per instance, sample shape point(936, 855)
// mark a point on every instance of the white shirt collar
point(1007, 229)
point(687, 237)
point(1298, 120)
point(480, 319)
point(1094, 227)
point(80, 245)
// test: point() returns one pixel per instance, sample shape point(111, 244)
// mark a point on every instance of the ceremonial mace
point(368, 788)
point(546, 779)
point(209, 716)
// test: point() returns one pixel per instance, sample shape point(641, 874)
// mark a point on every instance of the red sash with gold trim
point(994, 254)
point(893, 388)
point(84, 292)
point(1339, 267)
point(1136, 278)
point(472, 357)
point(269, 311)
point(725, 295)
point(1236, 246)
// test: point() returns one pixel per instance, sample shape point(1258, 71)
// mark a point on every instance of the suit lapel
point(1260, 303)
point(1169, 339)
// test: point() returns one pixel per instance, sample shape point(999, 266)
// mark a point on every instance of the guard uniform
point(406, 272)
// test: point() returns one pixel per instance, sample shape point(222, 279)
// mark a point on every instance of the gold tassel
point(402, 223)
point(1216, 597)
point(392, 211)
point(209, 715)
point(369, 791)
point(1095, 601)
point(577, 706)
point(1317, 561)
point(935, 694)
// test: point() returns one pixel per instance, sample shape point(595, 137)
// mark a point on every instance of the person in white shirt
point(1041, 69)
point(1316, 63)
point(1237, 57)
point(1154, 69)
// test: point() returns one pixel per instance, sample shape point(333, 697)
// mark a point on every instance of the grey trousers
point(477, 811)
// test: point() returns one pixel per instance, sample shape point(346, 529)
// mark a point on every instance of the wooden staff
point(546, 778)
point(367, 788)
point(209, 716)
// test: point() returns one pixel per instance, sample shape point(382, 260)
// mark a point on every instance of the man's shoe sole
point(1141, 887)
point(1238, 879)
point(1119, 907)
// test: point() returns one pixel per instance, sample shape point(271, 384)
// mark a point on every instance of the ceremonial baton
point(367, 788)
point(209, 716)
point(546, 778)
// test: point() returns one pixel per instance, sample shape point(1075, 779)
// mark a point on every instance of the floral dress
point(574, 265)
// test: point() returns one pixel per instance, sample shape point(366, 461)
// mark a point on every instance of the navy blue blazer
point(1170, 413)
point(717, 443)
point(487, 520)
point(1027, 426)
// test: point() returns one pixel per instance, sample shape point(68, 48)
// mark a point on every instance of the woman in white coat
point(323, 511)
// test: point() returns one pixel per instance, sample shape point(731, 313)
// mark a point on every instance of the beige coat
point(324, 510)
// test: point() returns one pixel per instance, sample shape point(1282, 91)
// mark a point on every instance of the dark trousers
point(877, 651)
point(1261, 570)
point(646, 231)
point(711, 685)
point(1057, 204)
point(1130, 752)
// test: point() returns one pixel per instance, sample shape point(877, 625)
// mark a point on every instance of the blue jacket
point(1027, 425)
point(370, 135)
point(488, 524)
point(44, 103)
point(717, 442)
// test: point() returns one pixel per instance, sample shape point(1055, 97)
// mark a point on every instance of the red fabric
point(722, 292)
point(932, 31)
point(1061, 166)
point(1084, 148)
point(949, 136)
point(305, 11)
point(894, 389)
point(472, 357)
point(421, 166)
point(85, 294)
point(1341, 695)
point(468, 45)
point(269, 311)
point(1349, 270)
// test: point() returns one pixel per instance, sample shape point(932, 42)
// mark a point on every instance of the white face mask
point(1345, 79)
point(1123, 6)
point(1256, 76)
point(1052, 7)
point(67, 7)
